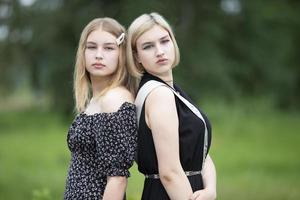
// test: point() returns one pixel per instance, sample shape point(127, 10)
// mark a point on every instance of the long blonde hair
point(82, 82)
point(139, 26)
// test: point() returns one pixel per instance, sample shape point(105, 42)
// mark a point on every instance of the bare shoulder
point(161, 108)
point(115, 97)
point(162, 95)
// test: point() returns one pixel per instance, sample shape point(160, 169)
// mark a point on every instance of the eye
point(109, 48)
point(91, 47)
point(165, 41)
point(147, 46)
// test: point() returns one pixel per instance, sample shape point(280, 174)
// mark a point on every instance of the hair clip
point(120, 39)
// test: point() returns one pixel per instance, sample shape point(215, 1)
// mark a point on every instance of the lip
point(162, 61)
point(98, 65)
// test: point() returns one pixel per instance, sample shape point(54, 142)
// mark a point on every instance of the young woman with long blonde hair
point(102, 137)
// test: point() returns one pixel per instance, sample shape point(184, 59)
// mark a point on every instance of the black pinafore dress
point(191, 141)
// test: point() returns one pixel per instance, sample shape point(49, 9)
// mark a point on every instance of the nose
point(99, 54)
point(159, 51)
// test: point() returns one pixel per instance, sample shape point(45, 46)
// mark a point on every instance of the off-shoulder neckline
point(109, 113)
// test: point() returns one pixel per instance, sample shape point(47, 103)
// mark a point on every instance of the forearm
point(177, 185)
point(209, 176)
point(115, 188)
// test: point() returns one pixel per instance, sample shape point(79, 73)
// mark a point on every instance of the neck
point(167, 77)
point(169, 82)
point(98, 84)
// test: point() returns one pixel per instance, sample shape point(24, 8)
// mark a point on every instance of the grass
point(255, 149)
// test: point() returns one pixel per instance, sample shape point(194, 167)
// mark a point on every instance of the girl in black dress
point(102, 138)
point(171, 138)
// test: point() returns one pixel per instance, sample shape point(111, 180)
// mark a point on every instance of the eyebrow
point(106, 43)
point(164, 37)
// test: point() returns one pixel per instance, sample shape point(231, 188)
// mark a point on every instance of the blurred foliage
point(255, 149)
point(229, 48)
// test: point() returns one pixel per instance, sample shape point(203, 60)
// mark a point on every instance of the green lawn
point(255, 149)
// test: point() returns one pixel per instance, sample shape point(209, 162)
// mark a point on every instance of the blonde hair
point(139, 26)
point(82, 82)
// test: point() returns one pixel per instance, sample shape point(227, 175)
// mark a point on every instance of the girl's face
point(101, 54)
point(155, 51)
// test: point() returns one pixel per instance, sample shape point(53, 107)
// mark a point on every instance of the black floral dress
point(101, 145)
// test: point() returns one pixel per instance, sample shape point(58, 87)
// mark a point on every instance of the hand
point(203, 195)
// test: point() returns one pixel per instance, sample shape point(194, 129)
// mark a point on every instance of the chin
point(100, 74)
point(165, 69)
